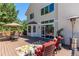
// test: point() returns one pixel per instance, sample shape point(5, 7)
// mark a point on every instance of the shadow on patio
point(65, 51)
point(34, 39)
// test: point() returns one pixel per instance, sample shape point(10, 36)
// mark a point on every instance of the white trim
point(48, 24)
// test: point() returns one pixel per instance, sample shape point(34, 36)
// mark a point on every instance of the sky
point(22, 7)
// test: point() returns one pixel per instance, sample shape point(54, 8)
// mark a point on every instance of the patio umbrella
point(13, 25)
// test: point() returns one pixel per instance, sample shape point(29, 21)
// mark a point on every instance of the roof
point(27, 10)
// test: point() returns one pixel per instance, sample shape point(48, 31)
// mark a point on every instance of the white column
point(32, 30)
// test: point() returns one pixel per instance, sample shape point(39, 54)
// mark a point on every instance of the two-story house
point(50, 17)
point(41, 19)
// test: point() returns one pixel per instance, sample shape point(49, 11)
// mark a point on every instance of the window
point(29, 29)
point(51, 7)
point(46, 9)
point(34, 28)
point(42, 22)
point(42, 11)
point(45, 21)
point(48, 21)
point(32, 16)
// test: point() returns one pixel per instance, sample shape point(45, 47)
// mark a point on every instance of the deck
point(8, 48)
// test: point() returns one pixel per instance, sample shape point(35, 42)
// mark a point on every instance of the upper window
point(32, 16)
point(42, 11)
point(50, 21)
point(51, 7)
point(46, 9)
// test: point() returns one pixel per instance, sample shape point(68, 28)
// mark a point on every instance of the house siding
point(36, 9)
point(65, 11)
point(61, 14)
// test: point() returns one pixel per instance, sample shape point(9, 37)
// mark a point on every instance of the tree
point(24, 27)
point(8, 12)
point(24, 23)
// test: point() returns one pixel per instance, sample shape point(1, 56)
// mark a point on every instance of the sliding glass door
point(46, 29)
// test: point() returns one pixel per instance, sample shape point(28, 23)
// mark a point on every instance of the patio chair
point(57, 45)
point(48, 48)
point(39, 50)
point(4, 36)
point(14, 36)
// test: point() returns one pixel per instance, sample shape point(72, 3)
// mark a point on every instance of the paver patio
point(64, 52)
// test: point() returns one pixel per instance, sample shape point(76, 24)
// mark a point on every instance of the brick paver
point(63, 52)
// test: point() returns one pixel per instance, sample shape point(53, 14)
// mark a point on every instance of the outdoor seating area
point(24, 48)
point(8, 35)
point(40, 48)
point(4, 35)
point(46, 49)
point(11, 31)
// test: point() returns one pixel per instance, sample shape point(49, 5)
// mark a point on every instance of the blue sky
point(22, 7)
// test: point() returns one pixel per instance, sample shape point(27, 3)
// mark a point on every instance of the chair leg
point(55, 51)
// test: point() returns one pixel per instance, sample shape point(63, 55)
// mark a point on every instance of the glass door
point(46, 29)
point(49, 29)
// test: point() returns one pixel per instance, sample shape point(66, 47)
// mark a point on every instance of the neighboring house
point(45, 16)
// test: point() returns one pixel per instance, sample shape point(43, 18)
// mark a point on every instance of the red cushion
point(46, 44)
point(39, 50)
